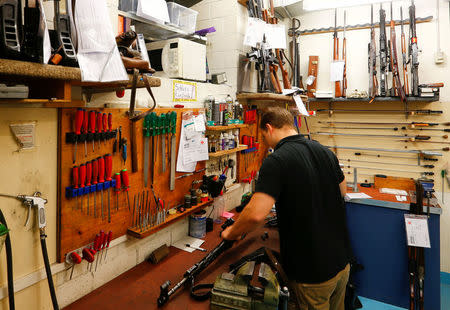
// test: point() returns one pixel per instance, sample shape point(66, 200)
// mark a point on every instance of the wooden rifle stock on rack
point(395, 72)
point(405, 64)
point(337, 84)
point(344, 57)
point(284, 73)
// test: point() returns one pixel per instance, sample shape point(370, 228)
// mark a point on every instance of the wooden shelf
point(377, 99)
point(229, 127)
point(44, 103)
point(137, 233)
point(268, 97)
point(227, 152)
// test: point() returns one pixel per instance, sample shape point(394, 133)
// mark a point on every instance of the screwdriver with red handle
point(108, 241)
point(101, 180)
point(76, 259)
point(94, 183)
point(126, 184)
point(78, 123)
point(101, 247)
point(85, 130)
point(75, 184)
point(108, 171)
point(88, 182)
point(92, 127)
point(97, 245)
point(105, 126)
point(99, 127)
point(109, 125)
point(88, 256)
point(82, 182)
point(117, 189)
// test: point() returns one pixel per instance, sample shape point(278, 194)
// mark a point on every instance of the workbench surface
point(138, 288)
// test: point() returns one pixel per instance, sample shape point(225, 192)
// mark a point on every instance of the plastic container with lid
point(129, 6)
point(182, 17)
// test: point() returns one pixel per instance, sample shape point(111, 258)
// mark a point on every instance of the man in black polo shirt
point(303, 179)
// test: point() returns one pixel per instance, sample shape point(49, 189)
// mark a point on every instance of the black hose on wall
point(9, 264)
point(49, 272)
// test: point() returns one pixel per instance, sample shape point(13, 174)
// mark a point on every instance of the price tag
point(417, 230)
point(300, 106)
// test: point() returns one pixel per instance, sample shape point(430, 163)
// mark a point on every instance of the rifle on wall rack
point(384, 53)
point(337, 84)
point(297, 79)
point(344, 57)
point(405, 63)
point(373, 84)
point(394, 64)
point(411, 112)
point(413, 50)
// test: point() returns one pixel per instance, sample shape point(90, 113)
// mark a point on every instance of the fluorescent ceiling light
point(315, 5)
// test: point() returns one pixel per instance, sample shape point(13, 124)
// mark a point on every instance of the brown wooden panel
point(394, 182)
point(76, 228)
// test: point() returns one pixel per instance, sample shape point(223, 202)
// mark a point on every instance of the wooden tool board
point(75, 228)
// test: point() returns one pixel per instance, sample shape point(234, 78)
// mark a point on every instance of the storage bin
point(129, 6)
point(182, 17)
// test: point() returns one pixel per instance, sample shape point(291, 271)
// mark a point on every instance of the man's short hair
point(277, 117)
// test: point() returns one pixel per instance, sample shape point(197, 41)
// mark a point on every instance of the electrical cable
point(9, 264)
point(48, 271)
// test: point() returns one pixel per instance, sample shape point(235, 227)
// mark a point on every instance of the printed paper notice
point(199, 122)
point(417, 230)
point(300, 106)
point(254, 32)
point(184, 91)
point(195, 150)
point(336, 71)
point(350, 196)
point(24, 134)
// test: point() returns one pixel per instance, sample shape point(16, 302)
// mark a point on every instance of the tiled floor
point(369, 304)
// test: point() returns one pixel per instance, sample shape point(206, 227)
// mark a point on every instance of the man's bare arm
point(343, 187)
point(253, 214)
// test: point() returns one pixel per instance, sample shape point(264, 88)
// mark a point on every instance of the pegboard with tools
point(250, 160)
point(103, 168)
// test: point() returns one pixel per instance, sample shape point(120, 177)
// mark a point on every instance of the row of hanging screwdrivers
point(250, 116)
point(96, 176)
point(90, 127)
point(101, 243)
point(156, 125)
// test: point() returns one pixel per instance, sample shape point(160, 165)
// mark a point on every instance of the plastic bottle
point(236, 138)
point(226, 141)
point(222, 142)
point(231, 141)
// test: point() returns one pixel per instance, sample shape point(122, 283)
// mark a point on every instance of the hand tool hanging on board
point(413, 50)
point(101, 240)
point(88, 182)
point(162, 123)
point(82, 182)
point(99, 129)
point(85, 131)
point(108, 241)
point(75, 184)
point(88, 255)
point(371, 136)
point(173, 148)
point(385, 163)
point(108, 179)
point(63, 49)
point(152, 127)
point(94, 183)
point(373, 83)
point(101, 180)
point(117, 188)
point(134, 116)
point(126, 185)
point(78, 124)
point(39, 203)
point(404, 61)
point(146, 133)
point(337, 84)
point(294, 32)
point(92, 128)
point(104, 126)
point(75, 259)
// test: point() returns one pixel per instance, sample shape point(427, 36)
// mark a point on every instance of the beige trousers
point(329, 295)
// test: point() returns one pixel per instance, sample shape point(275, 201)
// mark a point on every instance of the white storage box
point(129, 6)
point(182, 17)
